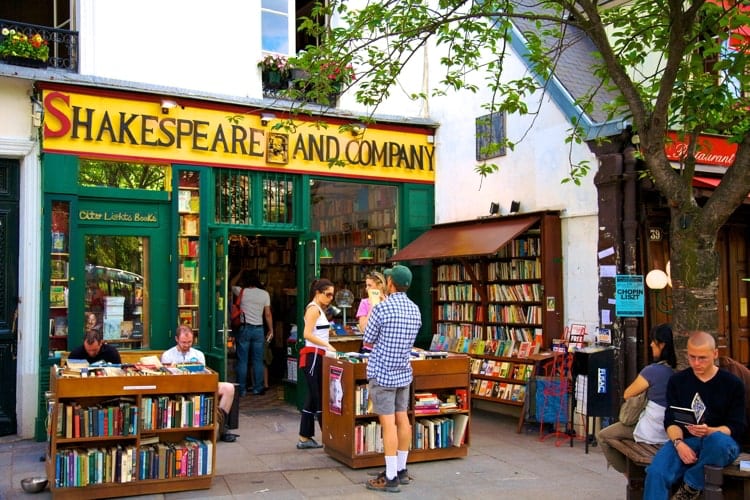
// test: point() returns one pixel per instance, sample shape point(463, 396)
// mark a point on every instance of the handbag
point(235, 314)
point(631, 409)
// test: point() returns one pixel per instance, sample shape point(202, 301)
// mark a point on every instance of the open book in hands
point(374, 295)
point(692, 415)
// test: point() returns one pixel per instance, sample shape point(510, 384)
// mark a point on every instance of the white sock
point(401, 457)
point(390, 466)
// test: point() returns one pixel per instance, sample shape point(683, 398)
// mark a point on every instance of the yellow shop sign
point(111, 126)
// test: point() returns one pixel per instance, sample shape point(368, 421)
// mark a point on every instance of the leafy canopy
point(669, 61)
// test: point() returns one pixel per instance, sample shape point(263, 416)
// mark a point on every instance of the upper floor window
point(275, 25)
point(490, 134)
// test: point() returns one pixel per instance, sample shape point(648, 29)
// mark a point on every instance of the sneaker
point(308, 445)
point(686, 493)
point(382, 483)
point(403, 476)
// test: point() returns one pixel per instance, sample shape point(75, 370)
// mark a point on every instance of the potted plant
point(340, 76)
point(275, 71)
point(18, 48)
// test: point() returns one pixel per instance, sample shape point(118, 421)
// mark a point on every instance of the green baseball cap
point(401, 275)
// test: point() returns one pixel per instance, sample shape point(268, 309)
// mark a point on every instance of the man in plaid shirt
point(392, 329)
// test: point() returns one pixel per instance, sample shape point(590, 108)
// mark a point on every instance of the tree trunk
point(695, 276)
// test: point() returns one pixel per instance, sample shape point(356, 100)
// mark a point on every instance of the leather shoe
point(229, 437)
point(259, 393)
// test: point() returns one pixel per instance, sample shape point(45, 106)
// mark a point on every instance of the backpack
point(236, 318)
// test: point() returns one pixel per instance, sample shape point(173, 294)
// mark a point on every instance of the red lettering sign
point(712, 150)
point(50, 109)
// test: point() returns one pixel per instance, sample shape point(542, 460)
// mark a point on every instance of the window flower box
point(23, 50)
point(24, 61)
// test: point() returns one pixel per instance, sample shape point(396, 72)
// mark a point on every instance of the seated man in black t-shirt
point(94, 349)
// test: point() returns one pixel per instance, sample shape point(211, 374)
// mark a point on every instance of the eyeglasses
point(329, 295)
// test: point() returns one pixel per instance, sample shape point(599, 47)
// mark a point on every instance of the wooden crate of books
point(439, 412)
point(134, 434)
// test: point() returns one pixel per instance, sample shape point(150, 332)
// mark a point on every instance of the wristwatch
point(676, 441)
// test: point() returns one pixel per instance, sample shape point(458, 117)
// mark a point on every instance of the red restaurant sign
point(712, 150)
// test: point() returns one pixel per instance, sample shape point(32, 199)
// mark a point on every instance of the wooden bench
point(721, 483)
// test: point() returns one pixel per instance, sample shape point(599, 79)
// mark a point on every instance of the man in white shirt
point(184, 352)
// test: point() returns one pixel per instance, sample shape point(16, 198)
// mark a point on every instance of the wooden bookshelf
point(514, 295)
point(59, 274)
point(188, 250)
point(130, 433)
point(340, 435)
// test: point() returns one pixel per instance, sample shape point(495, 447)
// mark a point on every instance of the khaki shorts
point(388, 400)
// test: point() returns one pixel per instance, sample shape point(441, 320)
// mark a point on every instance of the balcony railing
point(276, 86)
point(63, 44)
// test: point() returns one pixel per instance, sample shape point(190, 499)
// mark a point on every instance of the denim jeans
point(251, 340)
point(666, 468)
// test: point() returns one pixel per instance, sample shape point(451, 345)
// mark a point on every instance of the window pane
point(275, 32)
point(490, 132)
point(277, 5)
point(117, 288)
point(278, 199)
point(233, 197)
point(122, 175)
point(357, 225)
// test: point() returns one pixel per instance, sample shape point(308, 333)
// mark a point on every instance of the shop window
point(116, 284)
point(357, 225)
point(490, 136)
point(233, 197)
point(122, 175)
point(278, 191)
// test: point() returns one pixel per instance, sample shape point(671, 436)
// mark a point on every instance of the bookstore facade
point(153, 205)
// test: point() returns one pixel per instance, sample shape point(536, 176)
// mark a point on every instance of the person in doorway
point(184, 352)
point(374, 287)
point(316, 335)
point(256, 307)
point(392, 330)
point(95, 349)
point(714, 440)
point(652, 379)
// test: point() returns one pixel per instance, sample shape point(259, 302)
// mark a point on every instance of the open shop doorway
point(273, 258)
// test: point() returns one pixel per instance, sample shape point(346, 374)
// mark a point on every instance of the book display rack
point(502, 309)
point(439, 413)
point(506, 380)
point(130, 435)
point(188, 246)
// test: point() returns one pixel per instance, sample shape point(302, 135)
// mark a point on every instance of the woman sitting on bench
point(653, 378)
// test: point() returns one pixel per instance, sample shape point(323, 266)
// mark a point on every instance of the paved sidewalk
point(264, 463)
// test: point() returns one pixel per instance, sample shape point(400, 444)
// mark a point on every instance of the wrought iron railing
point(63, 44)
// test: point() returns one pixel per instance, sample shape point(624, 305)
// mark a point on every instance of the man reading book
point(717, 399)
point(184, 352)
point(95, 349)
